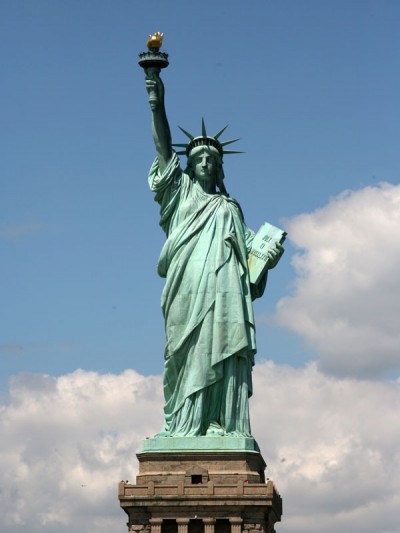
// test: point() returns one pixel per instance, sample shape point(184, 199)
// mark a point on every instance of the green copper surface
point(207, 298)
point(182, 444)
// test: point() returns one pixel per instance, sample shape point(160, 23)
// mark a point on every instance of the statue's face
point(204, 162)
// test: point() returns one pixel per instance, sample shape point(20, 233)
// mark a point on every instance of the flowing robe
point(207, 307)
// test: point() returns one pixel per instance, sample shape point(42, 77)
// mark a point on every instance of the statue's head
point(205, 163)
point(205, 148)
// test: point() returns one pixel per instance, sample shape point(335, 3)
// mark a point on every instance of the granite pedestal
point(212, 490)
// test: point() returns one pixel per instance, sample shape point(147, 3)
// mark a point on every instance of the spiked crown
point(205, 140)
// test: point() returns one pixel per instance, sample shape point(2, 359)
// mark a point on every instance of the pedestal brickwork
point(201, 492)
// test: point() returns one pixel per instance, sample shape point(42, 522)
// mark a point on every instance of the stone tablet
point(265, 239)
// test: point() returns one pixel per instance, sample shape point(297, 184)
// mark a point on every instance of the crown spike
point(220, 132)
point(191, 137)
point(206, 141)
point(229, 142)
point(203, 128)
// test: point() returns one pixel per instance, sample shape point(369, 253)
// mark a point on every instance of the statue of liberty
point(207, 298)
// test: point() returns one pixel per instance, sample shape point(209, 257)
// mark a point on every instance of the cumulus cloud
point(65, 444)
point(332, 446)
point(346, 300)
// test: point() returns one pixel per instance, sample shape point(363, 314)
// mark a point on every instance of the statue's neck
point(206, 185)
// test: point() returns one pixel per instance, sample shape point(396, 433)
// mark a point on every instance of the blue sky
point(310, 86)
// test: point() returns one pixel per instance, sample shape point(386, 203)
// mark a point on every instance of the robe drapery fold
point(207, 307)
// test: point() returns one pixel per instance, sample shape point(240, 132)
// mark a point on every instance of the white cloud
point(65, 444)
point(346, 302)
point(332, 446)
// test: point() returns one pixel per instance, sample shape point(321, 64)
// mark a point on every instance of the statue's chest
point(190, 205)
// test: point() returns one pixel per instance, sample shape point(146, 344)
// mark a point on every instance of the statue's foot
point(162, 434)
point(237, 434)
point(215, 430)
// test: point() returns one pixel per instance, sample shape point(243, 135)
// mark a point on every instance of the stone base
point(201, 492)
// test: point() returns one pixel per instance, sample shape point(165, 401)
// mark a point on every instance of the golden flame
point(155, 40)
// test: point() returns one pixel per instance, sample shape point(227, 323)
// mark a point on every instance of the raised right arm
point(160, 126)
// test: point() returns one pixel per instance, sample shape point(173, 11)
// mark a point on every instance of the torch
point(153, 61)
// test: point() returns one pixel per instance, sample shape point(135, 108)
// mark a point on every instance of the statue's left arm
point(274, 255)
